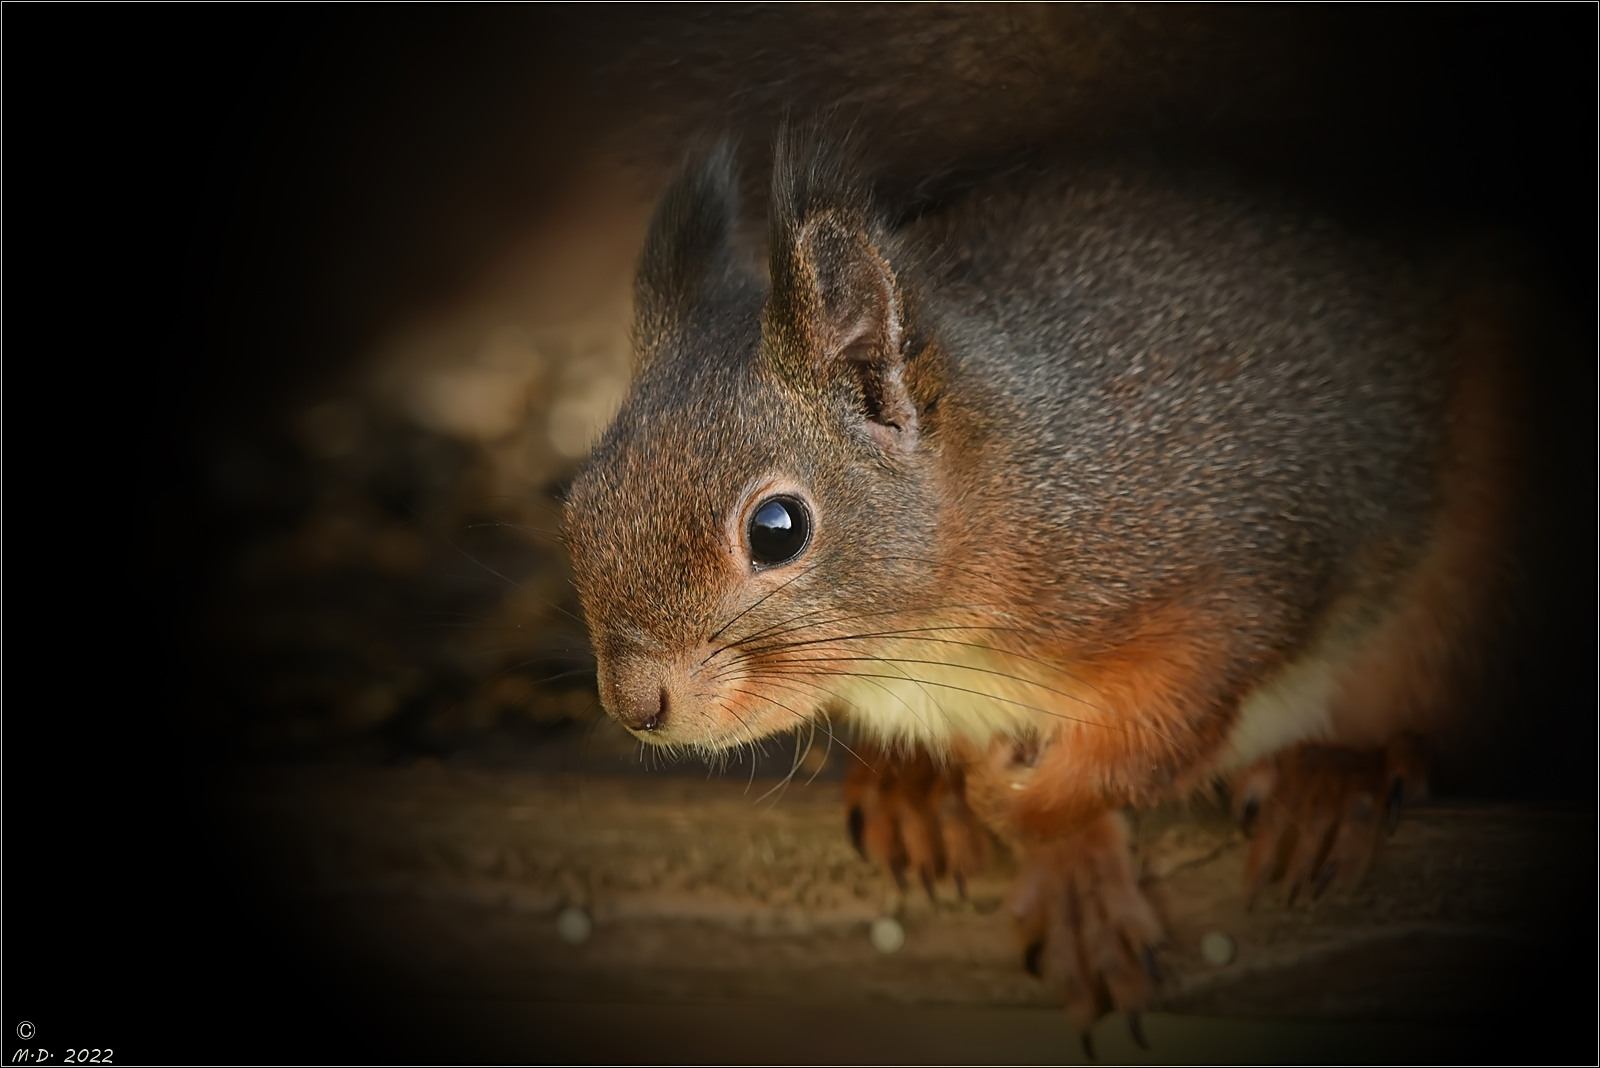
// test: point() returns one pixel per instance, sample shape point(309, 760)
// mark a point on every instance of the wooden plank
point(447, 885)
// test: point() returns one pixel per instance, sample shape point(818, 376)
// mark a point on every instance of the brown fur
point(1420, 668)
point(1100, 470)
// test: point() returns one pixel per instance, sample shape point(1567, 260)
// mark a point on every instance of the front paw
point(1086, 926)
point(907, 813)
point(1316, 813)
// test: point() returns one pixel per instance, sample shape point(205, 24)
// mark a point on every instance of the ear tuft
point(688, 249)
point(835, 314)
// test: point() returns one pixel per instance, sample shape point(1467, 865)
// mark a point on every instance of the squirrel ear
point(688, 249)
point(835, 311)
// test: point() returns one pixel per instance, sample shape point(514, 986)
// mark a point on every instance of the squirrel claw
point(1087, 1041)
point(1136, 1029)
point(1324, 877)
point(1147, 959)
point(1255, 883)
point(1247, 816)
point(1089, 930)
point(908, 812)
point(1397, 793)
point(1322, 813)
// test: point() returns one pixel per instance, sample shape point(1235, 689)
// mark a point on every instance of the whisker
point(761, 696)
point(770, 676)
point(1120, 727)
point(523, 501)
point(865, 636)
point(904, 632)
point(906, 704)
point(575, 673)
point(794, 766)
point(474, 560)
point(773, 630)
point(815, 686)
point(759, 602)
point(558, 656)
point(520, 528)
point(743, 724)
point(827, 726)
point(943, 565)
point(943, 664)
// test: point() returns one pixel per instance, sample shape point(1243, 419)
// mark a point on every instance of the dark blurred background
point(312, 312)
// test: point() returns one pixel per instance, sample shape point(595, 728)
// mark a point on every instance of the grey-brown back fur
point(1130, 389)
point(1189, 378)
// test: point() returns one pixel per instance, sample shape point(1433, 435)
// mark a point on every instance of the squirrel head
point(764, 496)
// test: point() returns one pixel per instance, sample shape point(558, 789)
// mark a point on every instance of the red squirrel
point(1076, 492)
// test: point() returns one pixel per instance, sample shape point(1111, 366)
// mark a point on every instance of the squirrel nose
point(640, 690)
point(643, 710)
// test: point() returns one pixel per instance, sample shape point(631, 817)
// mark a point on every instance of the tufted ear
point(835, 314)
point(688, 249)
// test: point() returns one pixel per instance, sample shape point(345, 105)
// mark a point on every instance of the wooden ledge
point(450, 885)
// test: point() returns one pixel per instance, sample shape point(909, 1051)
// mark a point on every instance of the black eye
point(779, 531)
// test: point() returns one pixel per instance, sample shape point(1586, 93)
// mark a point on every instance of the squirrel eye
point(779, 530)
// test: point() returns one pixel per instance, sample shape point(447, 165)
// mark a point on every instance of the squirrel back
point(1145, 458)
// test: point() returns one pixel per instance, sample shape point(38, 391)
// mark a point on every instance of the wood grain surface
point(440, 888)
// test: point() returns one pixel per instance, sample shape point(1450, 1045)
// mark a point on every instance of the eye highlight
point(780, 529)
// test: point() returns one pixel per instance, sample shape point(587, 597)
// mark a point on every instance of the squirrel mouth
point(903, 691)
point(693, 701)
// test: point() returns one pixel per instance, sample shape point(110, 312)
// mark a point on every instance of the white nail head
point(887, 934)
point(573, 925)
point(1217, 948)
